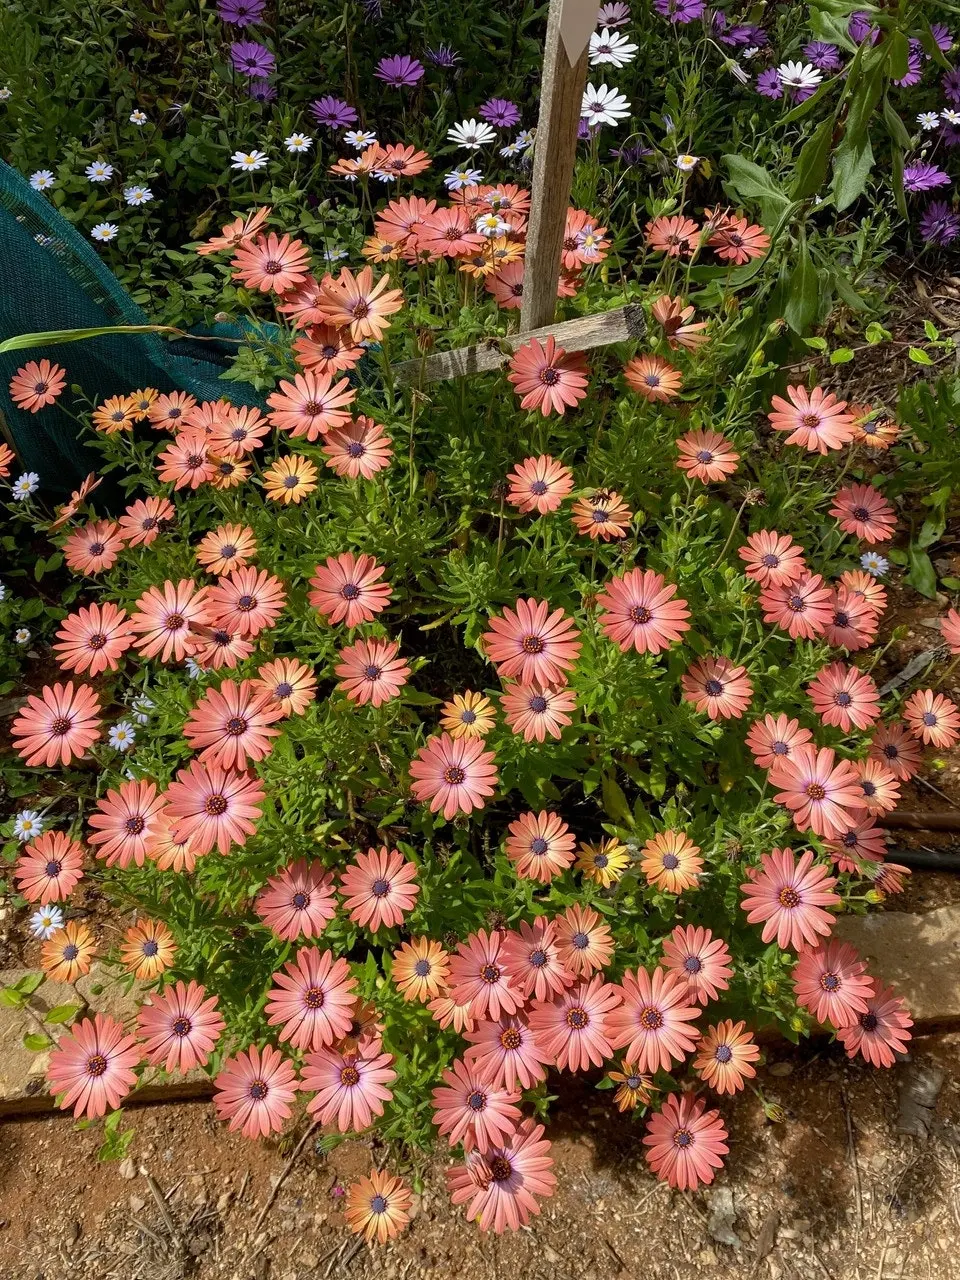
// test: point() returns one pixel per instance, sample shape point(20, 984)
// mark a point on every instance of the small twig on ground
point(283, 1176)
point(161, 1203)
point(852, 1148)
point(936, 790)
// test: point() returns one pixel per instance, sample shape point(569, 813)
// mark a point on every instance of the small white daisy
point(603, 105)
point(122, 735)
point(750, 52)
point(248, 161)
point(42, 180)
point(298, 142)
point(470, 134)
point(194, 670)
point(334, 254)
point(686, 163)
point(141, 708)
point(511, 149)
point(611, 46)
point(799, 75)
point(928, 120)
point(22, 635)
point(3, 592)
point(45, 922)
point(491, 225)
point(99, 171)
point(26, 484)
point(359, 139)
point(950, 115)
point(104, 231)
point(525, 138)
point(138, 117)
point(137, 195)
point(736, 71)
point(460, 178)
point(27, 825)
point(874, 564)
point(6, 93)
point(382, 175)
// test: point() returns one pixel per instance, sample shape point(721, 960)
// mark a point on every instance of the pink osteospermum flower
point(776, 738)
point(860, 583)
point(772, 559)
point(950, 630)
point(685, 1142)
point(446, 1012)
point(94, 548)
point(844, 696)
point(57, 726)
point(127, 823)
point(815, 420)
point(93, 1066)
point(254, 1091)
point(471, 1110)
point(272, 263)
point(547, 378)
point(703, 961)
point(860, 842)
point(706, 456)
point(179, 1027)
point(584, 941)
point(539, 484)
point(351, 1089)
point(819, 790)
point(863, 511)
point(298, 901)
point(718, 687)
point(853, 623)
point(311, 405)
point(534, 712)
point(242, 431)
point(456, 775)
point(540, 845)
point(165, 619)
point(879, 786)
point(638, 610)
point(214, 807)
point(379, 888)
point(247, 601)
point(881, 1032)
point(932, 718)
point(36, 385)
point(503, 1185)
point(574, 1028)
point(506, 1053)
point(94, 639)
point(288, 684)
point(218, 649)
point(143, 520)
point(50, 868)
point(361, 448)
point(893, 745)
point(228, 547)
point(481, 977)
point(654, 1019)
point(529, 643)
point(831, 981)
point(233, 725)
point(670, 862)
point(312, 999)
point(370, 671)
point(725, 1054)
point(789, 898)
point(802, 608)
point(186, 461)
point(531, 957)
point(347, 588)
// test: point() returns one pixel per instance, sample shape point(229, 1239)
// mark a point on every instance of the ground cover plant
point(431, 737)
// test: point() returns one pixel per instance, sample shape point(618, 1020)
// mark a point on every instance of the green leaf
point(875, 333)
point(751, 182)
point(62, 1013)
point(842, 355)
point(813, 162)
point(55, 337)
point(36, 1042)
point(851, 168)
point(615, 802)
point(899, 55)
point(803, 294)
point(816, 344)
point(919, 356)
point(29, 983)
point(895, 127)
point(931, 330)
point(10, 998)
point(922, 574)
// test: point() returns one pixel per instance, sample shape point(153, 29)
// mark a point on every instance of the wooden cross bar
point(565, 59)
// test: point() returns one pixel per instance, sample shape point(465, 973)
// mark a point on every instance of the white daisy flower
point(138, 117)
point(26, 484)
point(874, 564)
point(334, 254)
point(491, 225)
point(603, 105)
point(5, 93)
point(736, 71)
point(686, 163)
point(298, 142)
point(194, 669)
point(42, 180)
point(928, 119)
point(950, 116)
point(750, 52)
point(45, 922)
point(122, 735)
point(611, 46)
point(460, 178)
point(27, 825)
point(471, 134)
point(141, 708)
point(248, 161)
point(105, 231)
point(799, 75)
point(99, 171)
point(525, 138)
point(137, 195)
point(381, 175)
point(3, 592)
point(511, 149)
point(359, 139)
point(21, 635)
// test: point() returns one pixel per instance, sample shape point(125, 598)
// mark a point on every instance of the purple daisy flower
point(859, 28)
point(252, 59)
point(942, 36)
point(500, 112)
point(768, 83)
point(939, 224)
point(443, 56)
point(745, 36)
point(241, 13)
point(680, 11)
point(950, 136)
point(630, 154)
point(373, 9)
point(924, 177)
point(399, 70)
point(950, 84)
point(824, 56)
point(613, 15)
point(333, 112)
point(914, 71)
point(261, 90)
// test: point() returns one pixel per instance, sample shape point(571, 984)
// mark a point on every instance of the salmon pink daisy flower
point(238, 231)
point(347, 588)
point(355, 303)
point(816, 420)
point(247, 601)
point(370, 671)
point(878, 785)
point(652, 1022)
point(675, 321)
point(506, 1053)
point(739, 241)
point(802, 608)
point(447, 1013)
point(402, 218)
point(168, 412)
point(831, 981)
point(378, 1207)
point(456, 775)
point(503, 1185)
point(365, 1035)
point(864, 512)
point(218, 648)
point(469, 1108)
point(401, 161)
point(931, 717)
point(242, 430)
point(143, 520)
point(312, 999)
point(272, 263)
point(179, 1027)
point(254, 1091)
point(685, 1142)
point(165, 617)
point(148, 950)
point(57, 726)
point(718, 687)
point(311, 405)
point(844, 696)
point(297, 902)
point(35, 385)
point(887, 877)
point(539, 484)
point(505, 284)
point(93, 548)
point(93, 1066)
point(229, 546)
point(380, 888)
point(351, 1089)
point(893, 746)
point(776, 738)
point(288, 685)
point(233, 725)
point(670, 862)
point(325, 350)
point(7, 459)
point(950, 630)
point(881, 1032)
point(652, 378)
point(818, 789)
point(448, 233)
point(529, 643)
point(725, 1054)
point(50, 868)
point(789, 897)
point(639, 611)
point(93, 639)
point(74, 502)
point(186, 462)
point(574, 1029)
point(702, 960)
point(480, 976)
point(853, 623)
point(772, 559)
point(127, 822)
point(584, 942)
point(540, 846)
point(532, 959)
point(211, 806)
point(860, 841)
point(706, 456)
point(548, 378)
point(421, 970)
point(674, 236)
point(603, 862)
point(468, 715)
point(604, 515)
point(68, 954)
point(535, 712)
point(361, 448)
point(633, 1088)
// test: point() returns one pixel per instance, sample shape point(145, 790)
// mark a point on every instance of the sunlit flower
point(356, 302)
point(351, 1088)
point(68, 954)
point(57, 726)
point(540, 846)
point(186, 462)
point(802, 608)
point(147, 950)
point(547, 378)
point(298, 901)
point(179, 1027)
point(214, 807)
point(816, 420)
point(844, 696)
point(638, 611)
point(932, 718)
point(604, 515)
point(468, 715)
point(670, 862)
point(421, 970)
point(92, 1066)
point(653, 1021)
point(347, 588)
point(603, 105)
point(702, 960)
point(311, 405)
point(378, 1207)
point(312, 999)
point(94, 548)
point(583, 940)
point(470, 1109)
point(534, 711)
point(653, 378)
point(775, 738)
point(254, 1091)
point(685, 1143)
point(674, 236)
point(719, 688)
point(881, 1032)
point(93, 639)
point(789, 897)
point(878, 785)
point(818, 789)
point(531, 643)
point(50, 867)
point(603, 862)
point(379, 888)
point(36, 385)
point(831, 981)
point(854, 621)
point(127, 822)
point(863, 511)
point(725, 1054)
point(531, 956)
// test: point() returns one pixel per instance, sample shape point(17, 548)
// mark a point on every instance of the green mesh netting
point(53, 279)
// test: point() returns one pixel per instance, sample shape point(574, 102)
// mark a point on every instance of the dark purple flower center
point(380, 888)
point(134, 825)
point(538, 958)
point(96, 1065)
point(639, 615)
point(538, 703)
point(723, 1053)
point(476, 1100)
point(577, 1019)
point(651, 1019)
point(313, 998)
point(670, 862)
point(301, 901)
point(693, 964)
point(53, 869)
point(454, 776)
point(538, 488)
point(216, 806)
point(422, 968)
point(829, 982)
point(714, 688)
point(181, 1027)
point(490, 973)
point(580, 941)
point(150, 948)
point(257, 1090)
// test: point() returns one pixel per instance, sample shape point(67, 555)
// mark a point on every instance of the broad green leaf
point(813, 162)
point(751, 182)
point(851, 168)
point(842, 355)
point(803, 294)
point(919, 356)
point(36, 1043)
point(922, 574)
point(62, 1013)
